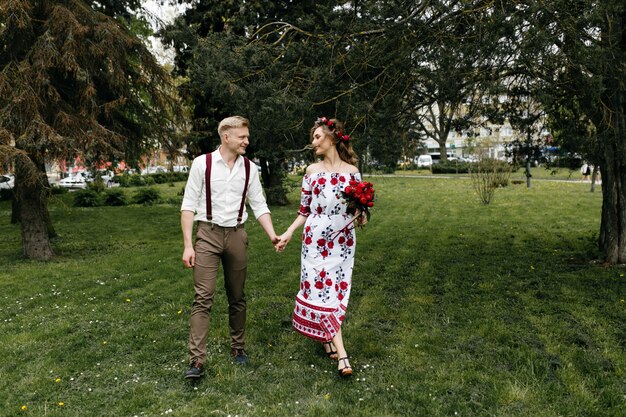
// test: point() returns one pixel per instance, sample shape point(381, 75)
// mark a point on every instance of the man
point(218, 205)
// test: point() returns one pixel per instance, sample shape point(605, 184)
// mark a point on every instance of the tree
point(580, 47)
point(73, 81)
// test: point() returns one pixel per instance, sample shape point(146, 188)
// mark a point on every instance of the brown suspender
point(207, 180)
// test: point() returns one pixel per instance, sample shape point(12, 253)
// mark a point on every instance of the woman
point(328, 241)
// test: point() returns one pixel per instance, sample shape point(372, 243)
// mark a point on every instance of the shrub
point(55, 190)
point(146, 196)
point(115, 197)
point(87, 198)
point(6, 194)
point(451, 167)
point(487, 175)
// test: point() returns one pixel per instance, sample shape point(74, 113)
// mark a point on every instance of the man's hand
point(189, 258)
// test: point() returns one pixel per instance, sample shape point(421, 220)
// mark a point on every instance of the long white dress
point(327, 259)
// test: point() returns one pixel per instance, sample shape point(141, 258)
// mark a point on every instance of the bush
point(6, 194)
point(451, 167)
point(87, 198)
point(137, 180)
point(56, 190)
point(487, 175)
point(115, 197)
point(146, 196)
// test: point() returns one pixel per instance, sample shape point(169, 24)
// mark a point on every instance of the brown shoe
point(240, 356)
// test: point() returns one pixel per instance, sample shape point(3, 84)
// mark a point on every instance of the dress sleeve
point(305, 197)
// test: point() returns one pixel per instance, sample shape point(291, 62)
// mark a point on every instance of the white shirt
point(226, 191)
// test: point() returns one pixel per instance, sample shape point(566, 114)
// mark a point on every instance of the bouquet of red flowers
point(359, 196)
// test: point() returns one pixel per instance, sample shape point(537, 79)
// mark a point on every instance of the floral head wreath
point(333, 127)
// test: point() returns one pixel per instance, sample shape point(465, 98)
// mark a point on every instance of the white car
point(424, 161)
point(77, 181)
point(80, 179)
point(7, 182)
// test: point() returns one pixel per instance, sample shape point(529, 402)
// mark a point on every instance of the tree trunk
point(443, 151)
point(272, 175)
point(31, 197)
point(594, 177)
point(612, 240)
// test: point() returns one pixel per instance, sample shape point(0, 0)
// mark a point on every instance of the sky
point(160, 15)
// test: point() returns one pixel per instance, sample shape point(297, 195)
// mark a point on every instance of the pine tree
point(74, 81)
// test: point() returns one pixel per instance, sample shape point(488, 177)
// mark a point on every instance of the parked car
point(77, 181)
point(80, 179)
point(153, 170)
point(424, 161)
point(7, 182)
point(180, 168)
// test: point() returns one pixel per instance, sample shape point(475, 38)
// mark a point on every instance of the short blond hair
point(232, 122)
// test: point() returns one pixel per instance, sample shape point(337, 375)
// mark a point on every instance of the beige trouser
point(230, 245)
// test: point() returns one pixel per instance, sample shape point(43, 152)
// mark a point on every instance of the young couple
point(219, 184)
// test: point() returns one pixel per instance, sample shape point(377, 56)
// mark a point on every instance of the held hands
point(282, 241)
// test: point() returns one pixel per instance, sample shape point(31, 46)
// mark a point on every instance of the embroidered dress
point(327, 259)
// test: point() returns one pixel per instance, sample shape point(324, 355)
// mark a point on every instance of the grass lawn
point(538, 173)
point(457, 309)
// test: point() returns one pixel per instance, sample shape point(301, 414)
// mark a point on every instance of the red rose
point(348, 190)
point(307, 229)
point(319, 209)
point(353, 183)
point(342, 179)
point(341, 318)
point(322, 181)
point(350, 242)
point(308, 240)
point(316, 191)
point(341, 240)
point(370, 204)
point(321, 242)
point(323, 274)
point(319, 285)
point(340, 296)
point(329, 282)
point(343, 285)
point(324, 253)
point(334, 181)
point(330, 245)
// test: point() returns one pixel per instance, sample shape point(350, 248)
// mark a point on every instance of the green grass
point(538, 173)
point(457, 309)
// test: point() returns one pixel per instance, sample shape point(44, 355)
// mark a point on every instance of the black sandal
point(346, 371)
point(330, 352)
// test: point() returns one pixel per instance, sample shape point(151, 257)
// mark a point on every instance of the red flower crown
point(333, 127)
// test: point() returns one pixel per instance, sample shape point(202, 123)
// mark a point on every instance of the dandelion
point(24, 408)
point(104, 343)
point(621, 301)
point(128, 300)
point(61, 404)
point(327, 396)
point(180, 312)
point(57, 380)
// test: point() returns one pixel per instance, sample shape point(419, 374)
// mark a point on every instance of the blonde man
point(219, 184)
